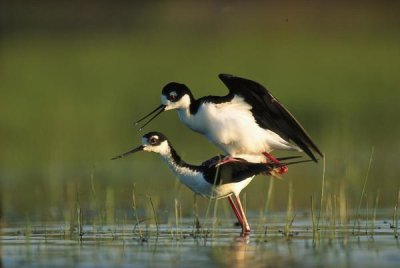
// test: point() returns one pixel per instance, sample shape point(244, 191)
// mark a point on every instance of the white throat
point(183, 103)
point(184, 173)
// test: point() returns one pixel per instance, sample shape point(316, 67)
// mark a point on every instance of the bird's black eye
point(172, 96)
point(153, 140)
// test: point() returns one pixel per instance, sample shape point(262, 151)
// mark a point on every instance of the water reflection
point(243, 253)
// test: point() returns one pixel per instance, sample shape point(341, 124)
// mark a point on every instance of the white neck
point(182, 172)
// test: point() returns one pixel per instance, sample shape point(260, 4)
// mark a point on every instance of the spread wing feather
point(270, 114)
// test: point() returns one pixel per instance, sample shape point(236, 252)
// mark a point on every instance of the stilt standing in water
point(209, 179)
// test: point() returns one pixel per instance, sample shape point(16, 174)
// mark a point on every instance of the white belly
point(224, 190)
point(232, 127)
point(198, 185)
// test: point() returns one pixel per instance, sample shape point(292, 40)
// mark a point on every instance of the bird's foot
point(226, 159)
point(245, 231)
point(282, 169)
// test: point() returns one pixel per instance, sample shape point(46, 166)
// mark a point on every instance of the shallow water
point(267, 246)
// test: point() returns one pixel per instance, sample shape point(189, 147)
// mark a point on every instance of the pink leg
point(234, 208)
point(245, 226)
point(282, 169)
point(225, 160)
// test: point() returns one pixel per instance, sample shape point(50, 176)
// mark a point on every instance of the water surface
point(186, 246)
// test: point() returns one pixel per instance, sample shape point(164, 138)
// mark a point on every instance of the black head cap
point(175, 91)
point(154, 138)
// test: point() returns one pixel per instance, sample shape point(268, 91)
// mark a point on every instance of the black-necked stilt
point(208, 179)
point(247, 123)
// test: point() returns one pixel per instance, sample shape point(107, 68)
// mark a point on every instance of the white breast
point(194, 181)
point(197, 184)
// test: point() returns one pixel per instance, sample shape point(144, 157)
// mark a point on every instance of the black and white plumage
point(245, 123)
point(208, 179)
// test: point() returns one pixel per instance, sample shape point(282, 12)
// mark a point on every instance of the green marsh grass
point(357, 216)
point(135, 212)
point(155, 217)
point(268, 200)
point(290, 215)
point(322, 193)
point(98, 208)
point(209, 204)
point(79, 219)
point(110, 206)
point(214, 223)
point(395, 224)
point(343, 205)
point(196, 229)
point(178, 219)
point(374, 220)
point(315, 219)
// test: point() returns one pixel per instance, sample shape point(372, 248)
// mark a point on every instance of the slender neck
point(192, 99)
point(174, 161)
point(186, 174)
point(187, 104)
point(190, 107)
point(184, 113)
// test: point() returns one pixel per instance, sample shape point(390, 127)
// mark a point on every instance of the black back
point(269, 113)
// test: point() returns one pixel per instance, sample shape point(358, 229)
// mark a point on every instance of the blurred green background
point(76, 75)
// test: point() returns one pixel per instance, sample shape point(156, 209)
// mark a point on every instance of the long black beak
point(137, 149)
point(158, 111)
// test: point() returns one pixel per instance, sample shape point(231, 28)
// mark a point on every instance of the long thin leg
point(282, 169)
point(237, 213)
point(245, 226)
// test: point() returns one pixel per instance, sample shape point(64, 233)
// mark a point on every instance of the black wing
point(269, 113)
point(233, 171)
